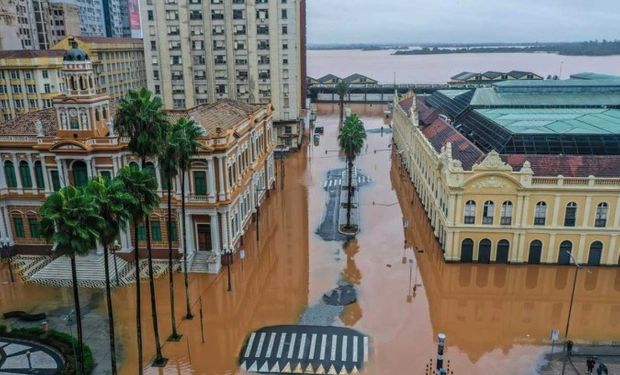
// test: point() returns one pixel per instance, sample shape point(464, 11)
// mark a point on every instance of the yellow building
point(510, 207)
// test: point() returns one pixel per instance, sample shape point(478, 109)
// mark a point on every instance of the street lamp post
point(229, 256)
point(6, 246)
point(570, 306)
point(115, 247)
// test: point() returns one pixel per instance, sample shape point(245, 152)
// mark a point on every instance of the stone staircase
point(204, 262)
point(90, 272)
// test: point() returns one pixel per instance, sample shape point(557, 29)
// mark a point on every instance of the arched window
point(24, 174)
point(540, 213)
point(566, 247)
point(134, 165)
point(600, 220)
point(96, 114)
point(38, 174)
point(470, 212)
point(104, 113)
point(535, 252)
point(570, 214)
point(503, 247)
point(488, 212)
point(484, 251)
point(9, 174)
point(506, 215)
point(596, 251)
point(80, 175)
point(467, 250)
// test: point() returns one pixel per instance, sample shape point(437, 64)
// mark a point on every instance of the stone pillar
point(586, 212)
point(31, 169)
point(224, 231)
point(89, 170)
point(551, 251)
point(61, 173)
point(18, 176)
point(215, 234)
point(211, 181)
point(7, 223)
point(189, 225)
point(556, 210)
point(158, 177)
point(612, 251)
point(2, 176)
point(222, 190)
point(3, 225)
point(46, 178)
point(581, 251)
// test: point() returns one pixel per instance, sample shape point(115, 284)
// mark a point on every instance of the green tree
point(70, 217)
point(168, 164)
point(142, 186)
point(342, 88)
point(351, 139)
point(186, 137)
point(141, 118)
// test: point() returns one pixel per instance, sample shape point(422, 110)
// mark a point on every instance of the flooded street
point(497, 318)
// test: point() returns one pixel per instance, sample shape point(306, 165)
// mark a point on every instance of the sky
point(461, 21)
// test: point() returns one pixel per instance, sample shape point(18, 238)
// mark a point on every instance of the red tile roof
point(406, 103)
point(28, 54)
point(427, 115)
point(105, 39)
point(25, 124)
point(568, 165)
point(440, 132)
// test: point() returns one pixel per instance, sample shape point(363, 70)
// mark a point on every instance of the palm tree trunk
point(341, 107)
point(78, 316)
point(188, 307)
point(350, 192)
point(159, 358)
point(174, 335)
point(106, 266)
point(138, 298)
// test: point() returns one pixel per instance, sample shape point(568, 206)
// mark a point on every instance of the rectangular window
point(155, 230)
point(200, 183)
point(18, 223)
point(55, 180)
point(141, 232)
point(34, 228)
point(173, 231)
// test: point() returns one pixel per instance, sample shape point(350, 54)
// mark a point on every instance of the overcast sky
point(419, 21)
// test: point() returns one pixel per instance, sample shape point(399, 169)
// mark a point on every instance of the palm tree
point(69, 219)
point(351, 139)
point(168, 168)
point(141, 185)
point(342, 88)
point(141, 117)
point(186, 137)
point(112, 201)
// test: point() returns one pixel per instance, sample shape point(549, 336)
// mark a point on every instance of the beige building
point(200, 51)
point(74, 140)
point(511, 207)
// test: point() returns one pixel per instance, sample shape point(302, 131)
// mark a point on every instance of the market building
point(519, 172)
point(75, 140)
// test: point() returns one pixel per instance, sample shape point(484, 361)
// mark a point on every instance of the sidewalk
point(609, 355)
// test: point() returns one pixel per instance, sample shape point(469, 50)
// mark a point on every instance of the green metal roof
point(489, 97)
point(590, 75)
point(453, 93)
point(555, 120)
point(536, 83)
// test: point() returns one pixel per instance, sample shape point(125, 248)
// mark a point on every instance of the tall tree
point(342, 88)
point(141, 185)
point(168, 164)
point(112, 201)
point(351, 139)
point(141, 117)
point(186, 137)
point(69, 219)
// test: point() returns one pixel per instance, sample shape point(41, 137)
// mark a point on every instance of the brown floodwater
point(497, 318)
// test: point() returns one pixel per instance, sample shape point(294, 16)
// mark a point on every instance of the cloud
point(418, 21)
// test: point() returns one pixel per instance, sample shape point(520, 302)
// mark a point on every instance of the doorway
point(204, 237)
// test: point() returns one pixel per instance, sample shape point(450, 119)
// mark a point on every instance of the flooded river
point(497, 318)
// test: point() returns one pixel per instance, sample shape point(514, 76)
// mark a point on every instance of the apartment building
point(64, 20)
point(9, 27)
point(92, 18)
point(197, 52)
point(116, 15)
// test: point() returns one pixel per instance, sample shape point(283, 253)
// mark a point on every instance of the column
point(18, 176)
point(7, 221)
point(224, 224)
point(551, 250)
point(586, 212)
point(189, 225)
point(61, 173)
point(222, 189)
point(3, 177)
point(31, 169)
point(46, 177)
point(89, 166)
point(556, 210)
point(158, 177)
point(215, 235)
point(581, 251)
point(3, 225)
point(211, 181)
point(612, 251)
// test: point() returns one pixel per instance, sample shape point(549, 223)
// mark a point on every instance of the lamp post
point(115, 247)
point(229, 256)
point(572, 298)
point(6, 247)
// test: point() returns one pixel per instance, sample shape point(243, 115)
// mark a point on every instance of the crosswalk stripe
point(354, 348)
point(292, 345)
point(323, 342)
point(344, 348)
point(248, 349)
point(281, 345)
point(270, 346)
point(325, 185)
point(312, 343)
point(260, 344)
point(333, 348)
point(365, 348)
point(302, 346)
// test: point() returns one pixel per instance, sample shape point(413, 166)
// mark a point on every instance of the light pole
point(229, 258)
point(115, 247)
point(6, 246)
point(570, 306)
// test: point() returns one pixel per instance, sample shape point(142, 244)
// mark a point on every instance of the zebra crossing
point(334, 182)
point(305, 350)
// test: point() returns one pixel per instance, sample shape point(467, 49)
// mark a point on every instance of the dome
point(75, 53)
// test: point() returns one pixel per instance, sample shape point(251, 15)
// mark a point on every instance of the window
point(284, 29)
point(506, 215)
point(600, 220)
point(55, 180)
point(18, 223)
point(149, 167)
point(45, 74)
point(200, 183)
point(155, 230)
point(566, 247)
point(470, 212)
point(141, 232)
point(33, 224)
point(9, 174)
point(38, 174)
point(80, 175)
point(24, 174)
point(535, 252)
point(467, 249)
point(570, 214)
point(540, 213)
point(47, 88)
point(173, 231)
point(488, 212)
point(284, 14)
point(596, 250)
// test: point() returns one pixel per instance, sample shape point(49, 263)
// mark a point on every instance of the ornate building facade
point(509, 208)
point(75, 140)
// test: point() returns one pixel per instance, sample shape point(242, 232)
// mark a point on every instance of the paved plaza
point(25, 357)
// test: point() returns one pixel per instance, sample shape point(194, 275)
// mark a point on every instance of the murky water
point(384, 67)
point(497, 318)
